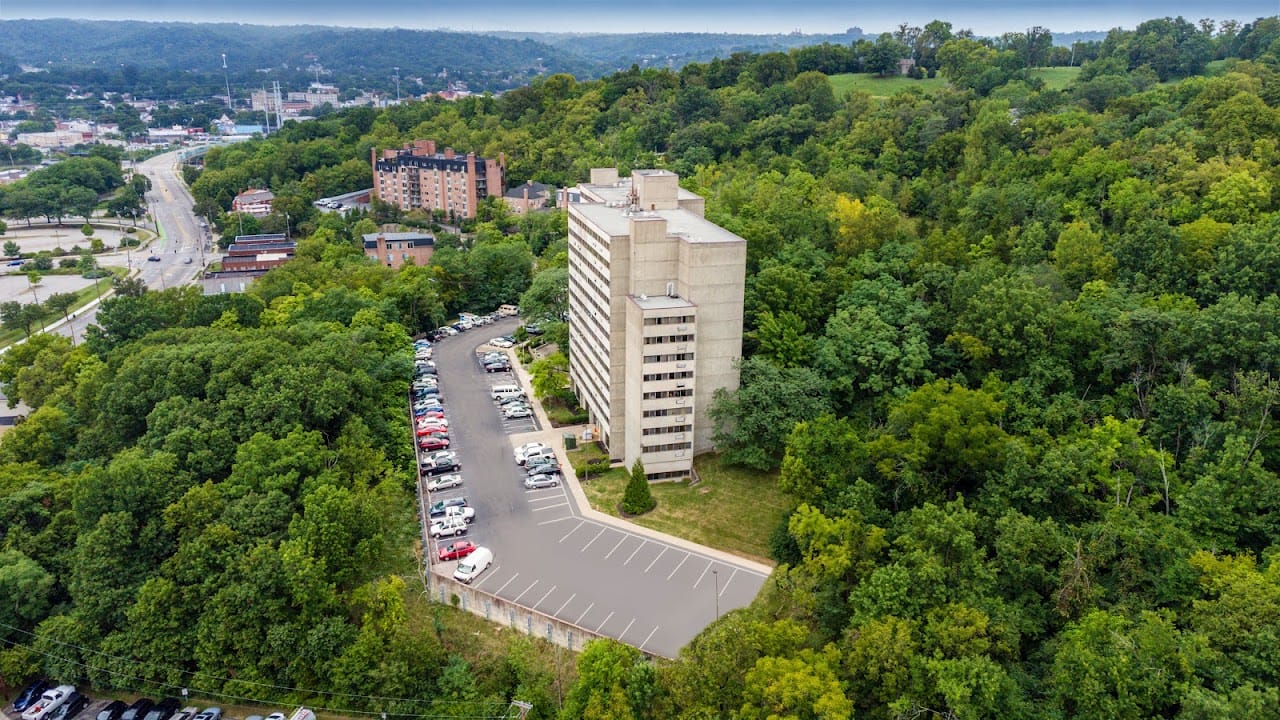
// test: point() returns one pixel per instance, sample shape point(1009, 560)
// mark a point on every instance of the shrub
point(637, 499)
point(68, 263)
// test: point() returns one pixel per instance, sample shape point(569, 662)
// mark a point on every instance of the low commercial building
point(396, 248)
point(655, 316)
point(254, 201)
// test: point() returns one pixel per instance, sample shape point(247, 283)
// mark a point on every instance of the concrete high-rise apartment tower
point(418, 177)
point(655, 315)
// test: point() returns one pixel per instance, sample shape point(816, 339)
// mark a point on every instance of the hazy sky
point(988, 17)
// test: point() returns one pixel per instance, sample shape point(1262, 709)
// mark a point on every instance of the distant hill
point(674, 49)
point(485, 62)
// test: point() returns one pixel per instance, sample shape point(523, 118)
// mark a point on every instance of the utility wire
point(212, 693)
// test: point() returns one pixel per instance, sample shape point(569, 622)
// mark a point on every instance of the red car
point(432, 430)
point(457, 550)
point(433, 442)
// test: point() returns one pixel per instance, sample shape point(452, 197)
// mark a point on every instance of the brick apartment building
point(395, 249)
point(417, 177)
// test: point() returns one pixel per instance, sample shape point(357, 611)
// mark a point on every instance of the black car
point(138, 709)
point(549, 466)
point(497, 367)
point(440, 467)
point(69, 708)
point(30, 694)
point(112, 711)
point(162, 710)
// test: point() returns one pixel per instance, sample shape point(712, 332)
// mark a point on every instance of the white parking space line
point(526, 590)
point(615, 547)
point(505, 584)
point(655, 560)
point(651, 633)
point(574, 530)
point(704, 574)
point(682, 562)
point(633, 552)
point(544, 597)
point(726, 582)
point(597, 537)
point(584, 614)
point(562, 607)
point(548, 507)
point(607, 619)
point(624, 630)
point(559, 519)
point(491, 574)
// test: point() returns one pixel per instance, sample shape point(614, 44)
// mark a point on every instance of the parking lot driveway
point(618, 580)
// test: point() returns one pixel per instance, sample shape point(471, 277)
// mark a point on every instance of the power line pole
point(397, 79)
point(227, 79)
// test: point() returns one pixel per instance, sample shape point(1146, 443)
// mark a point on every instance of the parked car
point(186, 713)
point(522, 452)
point(138, 709)
point(49, 701)
point(465, 512)
point(541, 480)
point(439, 455)
point(433, 442)
point(30, 694)
point(445, 526)
point(153, 258)
point(114, 710)
point(501, 342)
point(444, 482)
point(276, 716)
point(163, 710)
point(532, 330)
point(69, 709)
point(474, 564)
point(439, 507)
point(428, 430)
point(499, 366)
point(542, 465)
point(209, 713)
point(517, 411)
point(456, 550)
point(533, 455)
point(438, 467)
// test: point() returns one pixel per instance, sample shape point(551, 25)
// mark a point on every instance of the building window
point(675, 320)
point(668, 376)
point(667, 430)
point(665, 447)
point(661, 394)
point(665, 412)
point(675, 357)
point(660, 339)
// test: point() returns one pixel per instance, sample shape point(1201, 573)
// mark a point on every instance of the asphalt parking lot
point(617, 581)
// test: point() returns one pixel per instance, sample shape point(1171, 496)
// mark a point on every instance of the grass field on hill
point(877, 86)
point(1055, 78)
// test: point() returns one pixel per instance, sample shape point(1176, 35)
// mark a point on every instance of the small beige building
point(655, 316)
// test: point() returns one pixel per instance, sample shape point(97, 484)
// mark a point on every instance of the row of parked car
point(42, 700)
point(542, 469)
point(449, 517)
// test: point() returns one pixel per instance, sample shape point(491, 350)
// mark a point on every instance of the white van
point(474, 564)
point(502, 392)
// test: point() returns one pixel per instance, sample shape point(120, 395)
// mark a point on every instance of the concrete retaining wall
point(495, 609)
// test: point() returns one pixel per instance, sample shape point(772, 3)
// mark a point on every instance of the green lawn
point(877, 86)
point(732, 509)
point(1056, 78)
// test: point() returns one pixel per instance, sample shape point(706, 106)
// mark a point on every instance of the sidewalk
point(553, 437)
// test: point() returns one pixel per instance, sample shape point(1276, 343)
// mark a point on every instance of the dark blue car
point(30, 694)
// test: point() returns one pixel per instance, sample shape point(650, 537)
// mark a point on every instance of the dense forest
point(1012, 350)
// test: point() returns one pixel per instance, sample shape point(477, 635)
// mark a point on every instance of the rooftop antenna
point(227, 79)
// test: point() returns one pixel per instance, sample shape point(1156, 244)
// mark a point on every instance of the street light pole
point(716, 575)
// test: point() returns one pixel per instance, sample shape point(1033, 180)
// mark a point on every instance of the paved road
point(622, 582)
point(183, 237)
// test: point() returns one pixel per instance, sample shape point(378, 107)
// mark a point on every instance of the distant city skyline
point(985, 17)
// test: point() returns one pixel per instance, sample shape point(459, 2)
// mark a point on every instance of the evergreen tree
point(637, 499)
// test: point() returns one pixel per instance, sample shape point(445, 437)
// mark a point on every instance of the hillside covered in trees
point(1012, 351)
